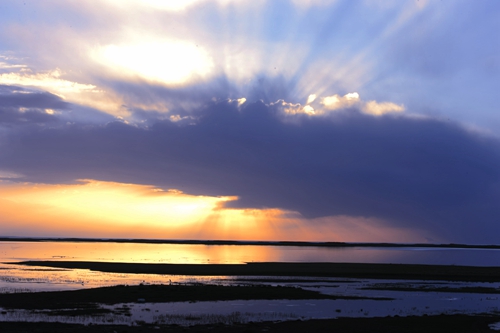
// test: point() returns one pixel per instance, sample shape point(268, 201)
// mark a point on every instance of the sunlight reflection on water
point(224, 254)
point(15, 278)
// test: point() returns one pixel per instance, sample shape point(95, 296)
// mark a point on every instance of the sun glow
point(116, 210)
point(173, 5)
point(107, 209)
point(170, 5)
point(121, 203)
point(168, 62)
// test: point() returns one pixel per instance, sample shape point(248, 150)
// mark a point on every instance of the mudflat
point(88, 298)
point(86, 301)
point(347, 270)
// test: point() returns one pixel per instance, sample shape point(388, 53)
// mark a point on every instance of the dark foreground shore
point(85, 300)
point(427, 324)
point(347, 270)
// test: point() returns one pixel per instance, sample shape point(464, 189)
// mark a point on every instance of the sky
point(313, 120)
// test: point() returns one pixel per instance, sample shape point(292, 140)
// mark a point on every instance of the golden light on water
point(135, 252)
point(180, 253)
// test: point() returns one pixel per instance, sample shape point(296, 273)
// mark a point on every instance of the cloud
point(311, 98)
point(50, 81)
point(350, 100)
point(294, 108)
point(71, 91)
point(18, 97)
point(378, 109)
point(339, 154)
point(106, 209)
point(22, 106)
point(337, 103)
point(408, 172)
point(7, 65)
point(25, 106)
point(423, 55)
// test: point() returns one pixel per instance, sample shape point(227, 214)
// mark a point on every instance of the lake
point(20, 278)
point(13, 251)
point(17, 278)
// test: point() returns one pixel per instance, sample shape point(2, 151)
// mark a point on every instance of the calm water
point(16, 278)
point(207, 254)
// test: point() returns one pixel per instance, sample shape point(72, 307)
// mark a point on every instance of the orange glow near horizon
point(114, 210)
point(96, 208)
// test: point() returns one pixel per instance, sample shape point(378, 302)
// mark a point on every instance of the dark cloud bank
point(411, 172)
point(24, 106)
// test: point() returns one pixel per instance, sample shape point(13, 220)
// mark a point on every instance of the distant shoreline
point(248, 243)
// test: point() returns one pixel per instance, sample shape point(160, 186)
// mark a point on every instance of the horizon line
point(245, 242)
